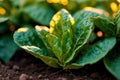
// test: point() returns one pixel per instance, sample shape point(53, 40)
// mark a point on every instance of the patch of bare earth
point(23, 66)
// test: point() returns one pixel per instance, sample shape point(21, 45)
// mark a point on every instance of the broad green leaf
point(28, 39)
point(92, 54)
point(54, 42)
point(117, 23)
point(106, 25)
point(40, 13)
point(62, 26)
point(112, 61)
point(7, 48)
point(84, 27)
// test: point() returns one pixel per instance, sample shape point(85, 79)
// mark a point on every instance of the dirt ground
point(23, 66)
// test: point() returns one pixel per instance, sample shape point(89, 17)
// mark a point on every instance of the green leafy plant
point(64, 44)
point(17, 13)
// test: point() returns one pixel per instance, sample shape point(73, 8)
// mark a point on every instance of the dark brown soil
point(23, 66)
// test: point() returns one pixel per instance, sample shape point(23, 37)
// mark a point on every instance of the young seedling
point(64, 44)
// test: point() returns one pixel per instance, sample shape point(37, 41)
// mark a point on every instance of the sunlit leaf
point(83, 28)
point(28, 39)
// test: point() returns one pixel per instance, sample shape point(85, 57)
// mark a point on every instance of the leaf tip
point(64, 10)
point(25, 29)
point(71, 18)
point(39, 28)
point(96, 10)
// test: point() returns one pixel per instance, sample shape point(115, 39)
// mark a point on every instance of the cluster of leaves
point(65, 46)
point(17, 13)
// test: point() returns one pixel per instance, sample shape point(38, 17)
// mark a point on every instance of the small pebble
point(23, 77)
point(23, 61)
point(46, 79)
point(2, 66)
point(62, 78)
point(95, 75)
point(30, 77)
point(17, 72)
point(15, 67)
point(39, 76)
point(7, 78)
point(0, 76)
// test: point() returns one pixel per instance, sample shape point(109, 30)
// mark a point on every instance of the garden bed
point(23, 66)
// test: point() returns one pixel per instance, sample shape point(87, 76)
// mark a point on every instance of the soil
point(24, 66)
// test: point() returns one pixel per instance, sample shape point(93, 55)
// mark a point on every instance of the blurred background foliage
point(19, 13)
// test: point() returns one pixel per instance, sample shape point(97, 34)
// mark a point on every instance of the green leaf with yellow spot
point(83, 28)
point(61, 22)
point(28, 39)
